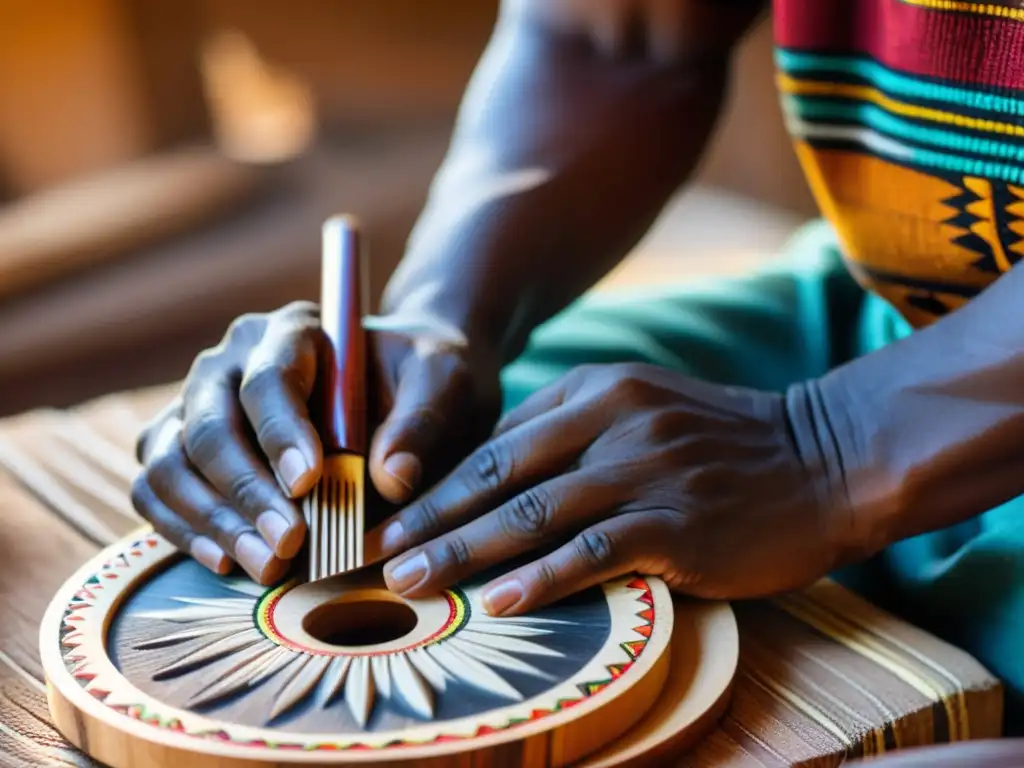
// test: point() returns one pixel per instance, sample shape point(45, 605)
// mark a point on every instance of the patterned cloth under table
point(823, 675)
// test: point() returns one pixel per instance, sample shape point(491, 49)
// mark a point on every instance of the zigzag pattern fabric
point(908, 119)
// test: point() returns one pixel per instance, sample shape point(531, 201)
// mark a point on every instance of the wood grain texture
point(37, 552)
point(823, 676)
point(98, 218)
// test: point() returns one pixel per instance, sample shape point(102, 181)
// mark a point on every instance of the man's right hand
point(225, 463)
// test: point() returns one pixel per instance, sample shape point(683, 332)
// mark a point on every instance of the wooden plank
point(27, 739)
point(106, 216)
point(38, 552)
point(81, 476)
point(823, 675)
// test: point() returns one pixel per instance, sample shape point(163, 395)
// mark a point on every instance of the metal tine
point(350, 523)
point(332, 530)
point(360, 521)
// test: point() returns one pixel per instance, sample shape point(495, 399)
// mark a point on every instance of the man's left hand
point(626, 468)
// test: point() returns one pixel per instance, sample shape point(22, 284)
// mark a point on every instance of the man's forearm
point(928, 431)
point(562, 158)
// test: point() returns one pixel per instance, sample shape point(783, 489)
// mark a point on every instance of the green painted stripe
point(799, 63)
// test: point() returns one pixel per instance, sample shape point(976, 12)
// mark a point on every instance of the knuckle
point(492, 465)
point(291, 334)
point(545, 577)
point(300, 309)
point(458, 554)
point(206, 363)
point(630, 388)
point(707, 481)
point(172, 529)
point(688, 450)
point(661, 427)
point(260, 381)
point(274, 431)
point(594, 549)
point(246, 490)
point(225, 521)
point(242, 327)
point(424, 521)
point(203, 437)
point(162, 469)
point(528, 514)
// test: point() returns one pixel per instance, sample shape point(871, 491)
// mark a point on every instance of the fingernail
point(391, 538)
point(501, 597)
point(208, 554)
point(292, 467)
point(408, 573)
point(253, 555)
point(273, 528)
point(405, 468)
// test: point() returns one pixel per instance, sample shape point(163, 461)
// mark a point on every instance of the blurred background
point(166, 166)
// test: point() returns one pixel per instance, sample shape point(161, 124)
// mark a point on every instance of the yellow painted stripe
point(855, 608)
point(863, 642)
point(800, 704)
point(954, 702)
point(797, 87)
point(877, 734)
point(959, 6)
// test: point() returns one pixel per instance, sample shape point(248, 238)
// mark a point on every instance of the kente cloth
point(906, 116)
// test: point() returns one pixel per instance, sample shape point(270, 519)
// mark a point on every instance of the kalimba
point(152, 660)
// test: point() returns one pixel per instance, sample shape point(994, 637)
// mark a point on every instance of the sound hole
point(360, 622)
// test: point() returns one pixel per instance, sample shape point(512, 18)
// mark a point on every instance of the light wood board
point(153, 660)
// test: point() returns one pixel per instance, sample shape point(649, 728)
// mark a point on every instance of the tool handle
point(344, 295)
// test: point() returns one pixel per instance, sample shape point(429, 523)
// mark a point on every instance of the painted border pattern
point(458, 615)
point(78, 666)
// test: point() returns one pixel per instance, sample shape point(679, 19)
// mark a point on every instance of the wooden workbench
point(823, 675)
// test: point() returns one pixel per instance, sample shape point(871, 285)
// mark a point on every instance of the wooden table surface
point(823, 675)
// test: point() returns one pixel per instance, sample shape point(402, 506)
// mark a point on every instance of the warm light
point(260, 113)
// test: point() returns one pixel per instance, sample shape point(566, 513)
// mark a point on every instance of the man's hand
point(623, 468)
point(225, 462)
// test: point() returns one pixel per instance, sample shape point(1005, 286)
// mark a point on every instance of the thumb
point(431, 399)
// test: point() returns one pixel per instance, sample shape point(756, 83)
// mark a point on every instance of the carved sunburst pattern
point(158, 639)
point(463, 649)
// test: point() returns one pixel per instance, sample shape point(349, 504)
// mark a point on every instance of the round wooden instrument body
point(152, 660)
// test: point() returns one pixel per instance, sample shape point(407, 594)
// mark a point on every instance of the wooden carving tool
point(334, 509)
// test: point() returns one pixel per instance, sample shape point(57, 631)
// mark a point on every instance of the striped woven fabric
point(823, 675)
point(908, 119)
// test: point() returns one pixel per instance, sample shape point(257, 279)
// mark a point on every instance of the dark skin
point(582, 113)
point(583, 118)
point(581, 121)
